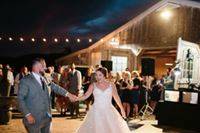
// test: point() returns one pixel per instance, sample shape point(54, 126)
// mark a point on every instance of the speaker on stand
point(107, 64)
point(148, 69)
point(148, 66)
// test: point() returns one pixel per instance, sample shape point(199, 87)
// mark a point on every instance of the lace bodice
point(102, 97)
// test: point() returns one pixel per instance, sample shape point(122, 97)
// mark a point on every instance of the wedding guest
point(135, 91)
point(56, 79)
point(62, 103)
point(10, 78)
point(157, 88)
point(5, 82)
point(118, 81)
point(1, 81)
point(169, 79)
point(126, 84)
point(18, 77)
point(86, 83)
point(75, 84)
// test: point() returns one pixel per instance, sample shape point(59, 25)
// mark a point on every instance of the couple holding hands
point(35, 104)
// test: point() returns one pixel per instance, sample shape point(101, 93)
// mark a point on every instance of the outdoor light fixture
point(78, 40)
point(90, 40)
point(177, 71)
point(10, 39)
point(21, 39)
point(114, 41)
point(44, 39)
point(67, 40)
point(55, 40)
point(168, 64)
point(33, 39)
point(0, 38)
point(166, 14)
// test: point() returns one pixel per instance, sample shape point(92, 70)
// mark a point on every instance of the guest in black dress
point(157, 88)
point(118, 81)
point(135, 91)
point(87, 80)
point(126, 85)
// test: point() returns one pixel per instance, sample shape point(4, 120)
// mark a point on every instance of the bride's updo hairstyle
point(104, 71)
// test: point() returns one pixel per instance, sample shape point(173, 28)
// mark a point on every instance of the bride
point(103, 117)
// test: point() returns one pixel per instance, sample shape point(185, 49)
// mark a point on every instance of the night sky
point(62, 19)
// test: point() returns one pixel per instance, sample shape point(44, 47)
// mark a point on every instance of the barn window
point(119, 63)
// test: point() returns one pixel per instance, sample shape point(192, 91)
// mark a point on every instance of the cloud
point(97, 21)
point(79, 30)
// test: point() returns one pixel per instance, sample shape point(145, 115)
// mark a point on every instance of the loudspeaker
point(148, 66)
point(107, 64)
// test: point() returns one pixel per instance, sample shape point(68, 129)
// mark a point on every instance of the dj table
point(180, 108)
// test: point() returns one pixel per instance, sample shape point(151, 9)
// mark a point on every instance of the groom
point(34, 100)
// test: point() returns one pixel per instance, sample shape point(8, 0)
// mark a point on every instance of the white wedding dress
point(102, 116)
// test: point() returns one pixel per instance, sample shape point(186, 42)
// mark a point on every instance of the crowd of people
point(132, 88)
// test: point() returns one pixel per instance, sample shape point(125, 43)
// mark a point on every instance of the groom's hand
point(30, 119)
point(72, 97)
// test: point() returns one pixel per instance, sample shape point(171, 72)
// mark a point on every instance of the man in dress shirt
point(34, 99)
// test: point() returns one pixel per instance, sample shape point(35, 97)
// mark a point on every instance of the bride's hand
point(76, 99)
point(79, 98)
point(123, 113)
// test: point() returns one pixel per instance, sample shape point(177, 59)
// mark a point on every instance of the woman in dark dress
point(86, 82)
point(156, 92)
point(135, 91)
point(126, 85)
point(118, 81)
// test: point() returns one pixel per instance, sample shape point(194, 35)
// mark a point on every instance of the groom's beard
point(42, 73)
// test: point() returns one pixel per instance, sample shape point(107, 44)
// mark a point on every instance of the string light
point(33, 39)
point(21, 39)
point(67, 40)
point(55, 40)
point(10, 39)
point(44, 39)
point(101, 40)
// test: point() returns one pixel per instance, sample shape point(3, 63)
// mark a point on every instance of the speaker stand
point(146, 109)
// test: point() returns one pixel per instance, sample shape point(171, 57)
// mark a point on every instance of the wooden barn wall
point(154, 31)
point(78, 59)
point(160, 66)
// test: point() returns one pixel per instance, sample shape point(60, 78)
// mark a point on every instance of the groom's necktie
point(42, 81)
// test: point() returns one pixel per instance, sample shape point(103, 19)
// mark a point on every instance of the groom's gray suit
point(35, 99)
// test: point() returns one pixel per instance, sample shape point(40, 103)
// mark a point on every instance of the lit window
point(119, 63)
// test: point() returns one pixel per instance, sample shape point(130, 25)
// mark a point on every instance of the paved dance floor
point(68, 125)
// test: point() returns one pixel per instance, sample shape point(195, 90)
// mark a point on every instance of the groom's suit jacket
point(34, 99)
